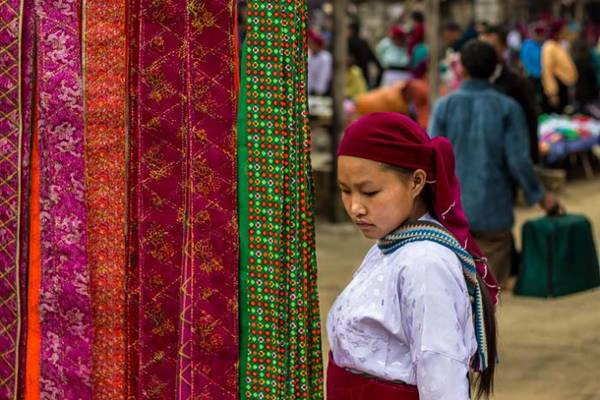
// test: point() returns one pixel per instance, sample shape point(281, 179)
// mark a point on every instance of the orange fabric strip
point(105, 74)
point(32, 365)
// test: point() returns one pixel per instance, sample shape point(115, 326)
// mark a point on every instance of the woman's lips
point(364, 225)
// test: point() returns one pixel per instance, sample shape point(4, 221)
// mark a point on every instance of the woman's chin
point(368, 234)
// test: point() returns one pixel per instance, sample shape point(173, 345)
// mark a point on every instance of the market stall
point(564, 137)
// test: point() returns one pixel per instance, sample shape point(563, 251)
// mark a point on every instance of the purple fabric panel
point(65, 300)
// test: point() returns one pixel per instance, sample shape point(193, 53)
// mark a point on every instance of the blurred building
point(376, 16)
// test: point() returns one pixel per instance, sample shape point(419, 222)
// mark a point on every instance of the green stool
point(558, 258)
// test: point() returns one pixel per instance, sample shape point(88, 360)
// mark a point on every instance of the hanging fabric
point(183, 238)
point(33, 324)
point(27, 82)
point(280, 326)
point(119, 226)
point(66, 320)
point(11, 137)
point(105, 150)
point(211, 277)
point(132, 266)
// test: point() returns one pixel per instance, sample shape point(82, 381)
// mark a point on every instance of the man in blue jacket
point(491, 142)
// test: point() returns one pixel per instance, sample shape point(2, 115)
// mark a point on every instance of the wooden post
point(432, 13)
point(340, 57)
point(408, 6)
point(557, 8)
point(580, 11)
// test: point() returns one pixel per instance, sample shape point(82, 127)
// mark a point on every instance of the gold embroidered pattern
point(10, 193)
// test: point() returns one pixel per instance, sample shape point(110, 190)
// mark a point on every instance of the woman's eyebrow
point(359, 184)
point(364, 183)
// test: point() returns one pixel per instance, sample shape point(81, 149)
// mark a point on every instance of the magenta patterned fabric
point(184, 268)
point(10, 193)
point(27, 95)
point(65, 300)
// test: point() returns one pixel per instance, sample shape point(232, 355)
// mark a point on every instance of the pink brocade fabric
point(184, 195)
point(65, 299)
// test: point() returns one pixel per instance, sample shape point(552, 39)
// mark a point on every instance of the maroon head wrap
point(539, 28)
point(397, 32)
point(316, 37)
point(394, 139)
point(415, 37)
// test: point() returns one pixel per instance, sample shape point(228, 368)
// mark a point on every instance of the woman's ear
point(419, 179)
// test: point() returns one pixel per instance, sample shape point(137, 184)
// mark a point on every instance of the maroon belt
point(345, 385)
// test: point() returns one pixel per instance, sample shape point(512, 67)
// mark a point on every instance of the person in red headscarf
point(418, 316)
point(393, 56)
point(417, 47)
point(417, 33)
point(558, 70)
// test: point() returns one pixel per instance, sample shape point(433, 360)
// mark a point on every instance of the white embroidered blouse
point(406, 317)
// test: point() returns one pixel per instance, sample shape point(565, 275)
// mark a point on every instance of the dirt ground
point(549, 349)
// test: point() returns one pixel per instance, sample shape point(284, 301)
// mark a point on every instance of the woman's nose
point(356, 208)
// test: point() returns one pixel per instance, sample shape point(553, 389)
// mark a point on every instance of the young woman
point(418, 316)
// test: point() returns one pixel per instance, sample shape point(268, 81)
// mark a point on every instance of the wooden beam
point(340, 62)
point(580, 10)
point(432, 13)
point(556, 9)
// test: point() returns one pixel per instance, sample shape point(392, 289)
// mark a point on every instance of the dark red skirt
point(345, 385)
